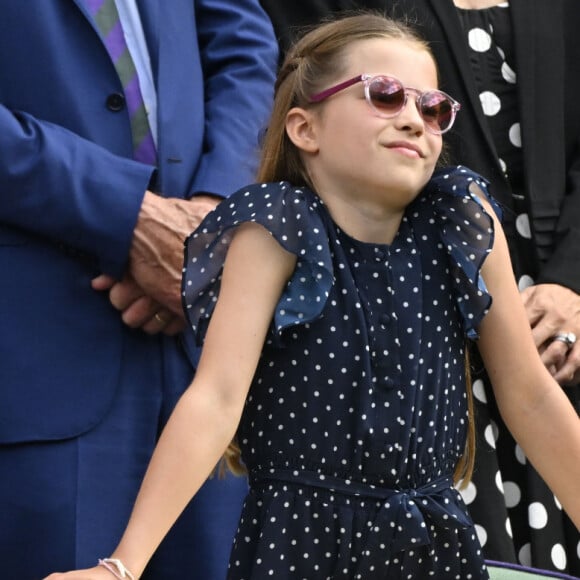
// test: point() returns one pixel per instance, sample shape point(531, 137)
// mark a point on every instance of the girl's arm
point(531, 402)
point(206, 418)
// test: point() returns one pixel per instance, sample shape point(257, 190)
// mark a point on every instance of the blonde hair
point(315, 61)
point(464, 468)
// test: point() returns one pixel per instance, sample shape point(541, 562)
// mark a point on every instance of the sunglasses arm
point(318, 97)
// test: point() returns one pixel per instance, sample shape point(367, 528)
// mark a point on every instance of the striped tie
point(107, 20)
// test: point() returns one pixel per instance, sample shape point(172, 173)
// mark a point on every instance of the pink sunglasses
point(387, 97)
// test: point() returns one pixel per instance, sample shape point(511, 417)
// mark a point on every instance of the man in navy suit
point(91, 355)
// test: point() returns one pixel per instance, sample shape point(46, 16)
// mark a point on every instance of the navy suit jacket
point(70, 192)
point(547, 54)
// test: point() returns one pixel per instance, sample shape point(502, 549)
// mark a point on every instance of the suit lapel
point(149, 13)
point(80, 4)
point(540, 77)
point(151, 22)
point(525, 47)
point(446, 12)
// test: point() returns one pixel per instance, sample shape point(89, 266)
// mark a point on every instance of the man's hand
point(553, 309)
point(156, 255)
point(137, 309)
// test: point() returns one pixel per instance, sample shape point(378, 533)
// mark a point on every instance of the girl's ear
point(301, 129)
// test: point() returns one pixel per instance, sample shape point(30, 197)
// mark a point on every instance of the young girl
point(334, 301)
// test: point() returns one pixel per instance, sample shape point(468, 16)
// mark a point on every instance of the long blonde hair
point(315, 61)
point(464, 468)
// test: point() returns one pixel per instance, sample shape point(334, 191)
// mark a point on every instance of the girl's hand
point(96, 573)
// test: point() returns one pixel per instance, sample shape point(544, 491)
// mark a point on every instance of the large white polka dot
point(499, 481)
point(523, 226)
point(479, 40)
point(481, 534)
point(479, 391)
point(525, 555)
point(512, 493)
point(508, 73)
point(515, 134)
point(508, 528)
point(525, 282)
point(537, 515)
point(490, 434)
point(520, 455)
point(490, 103)
point(503, 166)
point(559, 557)
point(578, 550)
point(469, 493)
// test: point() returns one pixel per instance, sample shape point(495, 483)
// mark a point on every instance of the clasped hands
point(149, 294)
point(554, 311)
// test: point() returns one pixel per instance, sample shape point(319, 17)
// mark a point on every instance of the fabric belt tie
point(404, 513)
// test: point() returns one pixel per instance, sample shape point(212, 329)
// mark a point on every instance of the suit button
point(115, 102)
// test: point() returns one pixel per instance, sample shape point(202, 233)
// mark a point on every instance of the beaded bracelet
point(116, 568)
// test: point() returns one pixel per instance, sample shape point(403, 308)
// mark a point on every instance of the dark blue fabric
point(70, 195)
point(66, 503)
point(70, 192)
point(360, 389)
point(435, 501)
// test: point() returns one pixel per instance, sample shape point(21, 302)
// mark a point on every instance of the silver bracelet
point(116, 568)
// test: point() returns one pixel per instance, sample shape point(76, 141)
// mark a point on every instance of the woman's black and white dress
point(518, 518)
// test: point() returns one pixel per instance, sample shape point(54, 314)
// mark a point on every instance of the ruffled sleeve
point(292, 216)
point(467, 232)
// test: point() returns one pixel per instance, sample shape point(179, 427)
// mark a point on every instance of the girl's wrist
point(116, 568)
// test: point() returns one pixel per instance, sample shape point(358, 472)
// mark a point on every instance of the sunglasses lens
point(387, 95)
point(437, 110)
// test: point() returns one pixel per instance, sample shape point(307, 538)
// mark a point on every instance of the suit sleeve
point(239, 55)
point(58, 186)
point(563, 264)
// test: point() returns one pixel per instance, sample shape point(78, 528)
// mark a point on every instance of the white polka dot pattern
point(490, 103)
point(357, 413)
point(479, 39)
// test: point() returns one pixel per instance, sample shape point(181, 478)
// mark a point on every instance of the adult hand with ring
point(568, 373)
point(138, 310)
point(568, 338)
point(554, 315)
point(164, 321)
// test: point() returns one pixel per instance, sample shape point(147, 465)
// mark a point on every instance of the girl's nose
point(409, 118)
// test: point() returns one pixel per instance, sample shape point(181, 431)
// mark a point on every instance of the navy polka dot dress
point(357, 414)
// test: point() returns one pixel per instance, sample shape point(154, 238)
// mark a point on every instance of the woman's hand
point(555, 310)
